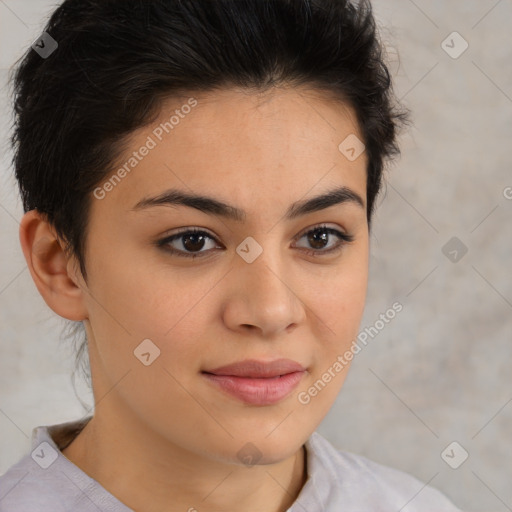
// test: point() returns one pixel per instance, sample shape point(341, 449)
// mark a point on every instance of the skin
point(162, 434)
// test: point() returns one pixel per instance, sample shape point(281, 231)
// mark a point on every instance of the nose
point(263, 296)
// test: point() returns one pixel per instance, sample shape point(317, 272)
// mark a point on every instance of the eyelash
point(344, 238)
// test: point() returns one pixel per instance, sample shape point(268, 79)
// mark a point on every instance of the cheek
point(347, 304)
point(137, 305)
point(338, 297)
point(148, 299)
point(338, 309)
point(171, 308)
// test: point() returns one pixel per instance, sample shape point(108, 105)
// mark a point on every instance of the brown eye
point(318, 239)
point(190, 243)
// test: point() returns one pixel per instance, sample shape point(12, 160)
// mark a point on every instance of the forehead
point(234, 141)
point(281, 114)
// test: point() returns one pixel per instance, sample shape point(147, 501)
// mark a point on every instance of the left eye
point(318, 237)
point(192, 241)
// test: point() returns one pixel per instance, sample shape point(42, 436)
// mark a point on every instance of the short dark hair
point(118, 60)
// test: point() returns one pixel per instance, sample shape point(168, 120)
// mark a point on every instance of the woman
point(198, 180)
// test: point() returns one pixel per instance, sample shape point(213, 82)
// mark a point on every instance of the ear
point(54, 275)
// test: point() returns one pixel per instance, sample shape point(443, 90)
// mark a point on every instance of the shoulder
point(44, 480)
point(360, 481)
point(25, 486)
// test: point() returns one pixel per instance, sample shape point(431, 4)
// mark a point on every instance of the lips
point(253, 368)
point(257, 382)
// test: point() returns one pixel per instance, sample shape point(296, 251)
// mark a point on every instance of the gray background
point(440, 370)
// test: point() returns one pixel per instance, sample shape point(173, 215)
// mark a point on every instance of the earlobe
point(51, 269)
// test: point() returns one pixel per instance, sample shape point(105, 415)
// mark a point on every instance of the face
point(276, 281)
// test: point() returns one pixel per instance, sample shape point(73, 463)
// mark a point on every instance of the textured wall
point(439, 371)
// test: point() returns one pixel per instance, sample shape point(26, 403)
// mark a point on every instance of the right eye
point(190, 243)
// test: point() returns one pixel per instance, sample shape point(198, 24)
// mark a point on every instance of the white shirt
point(44, 480)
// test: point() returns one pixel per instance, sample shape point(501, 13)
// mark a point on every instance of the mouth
point(257, 382)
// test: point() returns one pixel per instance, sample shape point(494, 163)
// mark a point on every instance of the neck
point(148, 476)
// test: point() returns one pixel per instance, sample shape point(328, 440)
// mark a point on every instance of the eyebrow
point(213, 206)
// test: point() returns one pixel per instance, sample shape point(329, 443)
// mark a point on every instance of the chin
point(258, 450)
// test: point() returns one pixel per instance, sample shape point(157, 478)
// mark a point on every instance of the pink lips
point(258, 382)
